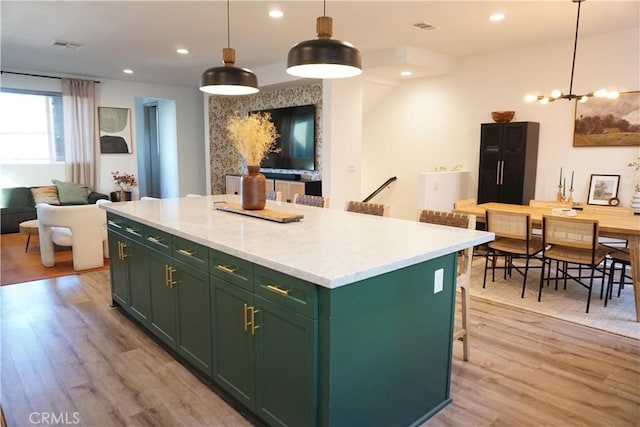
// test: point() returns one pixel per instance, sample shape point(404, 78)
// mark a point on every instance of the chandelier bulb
point(556, 94)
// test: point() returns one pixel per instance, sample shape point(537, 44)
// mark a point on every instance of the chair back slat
point(367, 208)
point(512, 225)
point(309, 200)
point(569, 231)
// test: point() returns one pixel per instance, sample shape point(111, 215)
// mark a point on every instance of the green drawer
point(124, 226)
point(158, 240)
point(231, 269)
point(191, 253)
point(286, 291)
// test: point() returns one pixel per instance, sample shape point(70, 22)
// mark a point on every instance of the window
point(31, 127)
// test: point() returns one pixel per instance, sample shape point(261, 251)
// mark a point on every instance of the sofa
point(18, 204)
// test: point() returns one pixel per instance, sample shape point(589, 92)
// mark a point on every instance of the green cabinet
point(265, 353)
point(163, 317)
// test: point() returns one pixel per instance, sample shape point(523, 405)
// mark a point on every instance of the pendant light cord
point(229, 27)
point(575, 48)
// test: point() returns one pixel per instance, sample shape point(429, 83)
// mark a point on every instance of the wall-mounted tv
point(297, 141)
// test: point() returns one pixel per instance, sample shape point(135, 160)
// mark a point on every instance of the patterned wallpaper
point(224, 158)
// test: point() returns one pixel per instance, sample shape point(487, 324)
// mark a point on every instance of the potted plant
point(124, 185)
point(254, 137)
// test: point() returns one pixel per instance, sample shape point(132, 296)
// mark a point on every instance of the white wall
point(188, 174)
point(435, 122)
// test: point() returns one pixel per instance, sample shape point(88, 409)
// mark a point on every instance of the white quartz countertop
point(328, 247)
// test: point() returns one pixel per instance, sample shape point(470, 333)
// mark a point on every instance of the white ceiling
point(143, 35)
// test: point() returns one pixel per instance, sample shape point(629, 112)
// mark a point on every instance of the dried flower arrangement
point(636, 166)
point(253, 136)
point(124, 180)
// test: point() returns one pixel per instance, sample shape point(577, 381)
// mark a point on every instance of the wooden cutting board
point(268, 214)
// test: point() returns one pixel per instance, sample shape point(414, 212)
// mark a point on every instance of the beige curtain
point(78, 102)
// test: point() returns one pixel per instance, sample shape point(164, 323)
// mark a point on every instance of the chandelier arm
point(575, 48)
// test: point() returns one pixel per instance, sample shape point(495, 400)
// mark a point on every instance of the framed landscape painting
point(602, 189)
point(608, 122)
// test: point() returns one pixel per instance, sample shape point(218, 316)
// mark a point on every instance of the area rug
point(18, 266)
point(566, 304)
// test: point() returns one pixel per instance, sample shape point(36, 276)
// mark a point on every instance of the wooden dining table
point(625, 227)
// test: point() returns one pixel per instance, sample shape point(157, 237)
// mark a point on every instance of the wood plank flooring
point(66, 354)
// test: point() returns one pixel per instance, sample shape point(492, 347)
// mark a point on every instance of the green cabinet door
point(118, 269)
point(194, 316)
point(139, 303)
point(162, 316)
point(233, 358)
point(286, 352)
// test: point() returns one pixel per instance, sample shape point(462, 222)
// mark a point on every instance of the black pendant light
point(228, 80)
point(324, 58)
point(557, 94)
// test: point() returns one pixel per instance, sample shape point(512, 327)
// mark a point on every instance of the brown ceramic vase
point(253, 189)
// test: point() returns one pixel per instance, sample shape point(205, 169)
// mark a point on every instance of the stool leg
point(28, 238)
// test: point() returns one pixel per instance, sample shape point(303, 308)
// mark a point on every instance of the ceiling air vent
point(424, 26)
point(68, 45)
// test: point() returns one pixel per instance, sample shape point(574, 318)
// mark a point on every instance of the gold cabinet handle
point(186, 252)
point(120, 251)
point(114, 223)
point(132, 230)
point(154, 239)
point(246, 317)
point(166, 275)
point(278, 290)
point(253, 320)
point(226, 269)
point(122, 246)
point(172, 282)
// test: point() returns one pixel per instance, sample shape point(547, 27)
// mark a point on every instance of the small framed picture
point(602, 189)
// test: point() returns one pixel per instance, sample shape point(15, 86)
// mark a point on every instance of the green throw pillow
point(70, 192)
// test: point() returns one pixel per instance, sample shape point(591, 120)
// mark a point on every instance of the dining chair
point(514, 240)
point(465, 202)
point(274, 195)
point(571, 240)
point(367, 208)
point(309, 200)
point(622, 257)
point(610, 210)
point(463, 276)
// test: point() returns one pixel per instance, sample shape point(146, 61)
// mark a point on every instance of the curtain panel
point(78, 103)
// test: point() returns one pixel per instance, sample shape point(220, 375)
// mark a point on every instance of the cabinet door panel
point(194, 316)
point(489, 168)
point(119, 272)
point(286, 360)
point(138, 282)
point(233, 356)
point(162, 310)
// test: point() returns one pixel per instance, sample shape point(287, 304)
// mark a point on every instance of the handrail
point(382, 187)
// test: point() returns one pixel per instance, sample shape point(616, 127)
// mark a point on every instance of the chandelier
point(557, 94)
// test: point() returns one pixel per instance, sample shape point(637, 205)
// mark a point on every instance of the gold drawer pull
point(132, 230)
point(186, 252)
point(114, 223)
point(154, 239)
point(277, 290)
point(226, 269)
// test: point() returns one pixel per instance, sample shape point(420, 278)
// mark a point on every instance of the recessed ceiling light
point(127, 71)
point(276, 13)
point(496, 17)
point(405, 73)
point(182, 51)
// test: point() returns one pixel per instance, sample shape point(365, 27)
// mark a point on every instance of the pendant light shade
point(324, 58)
point(228, 79)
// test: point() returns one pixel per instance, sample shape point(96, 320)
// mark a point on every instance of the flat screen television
point(297, 138)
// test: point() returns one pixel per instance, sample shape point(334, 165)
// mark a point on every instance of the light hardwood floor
point(65, 353)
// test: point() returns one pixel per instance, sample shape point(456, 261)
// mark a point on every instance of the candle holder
point(570, 199)
point(559, 196)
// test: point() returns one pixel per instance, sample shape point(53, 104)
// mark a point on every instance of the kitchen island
point(339, 319)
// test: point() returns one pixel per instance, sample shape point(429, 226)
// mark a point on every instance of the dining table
point(624, 227)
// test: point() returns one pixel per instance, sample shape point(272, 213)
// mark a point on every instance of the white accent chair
point(83, 227)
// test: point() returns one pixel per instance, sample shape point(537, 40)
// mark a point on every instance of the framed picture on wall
point(115, 130)
point(608, 122)
point(602, 189)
